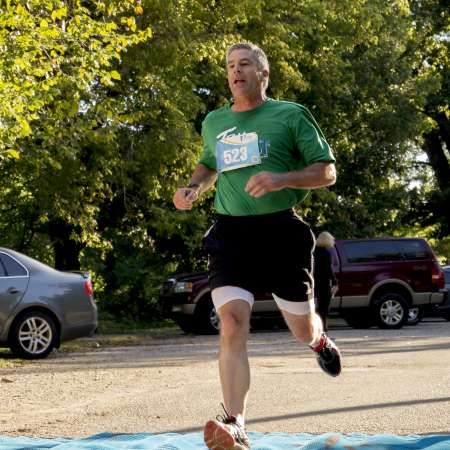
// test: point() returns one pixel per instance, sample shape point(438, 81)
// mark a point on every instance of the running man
point(265, 155)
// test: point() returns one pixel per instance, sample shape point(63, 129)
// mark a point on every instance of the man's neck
point(242, 104)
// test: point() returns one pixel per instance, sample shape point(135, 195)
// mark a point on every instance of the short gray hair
point(258, 55)
point(325, 239)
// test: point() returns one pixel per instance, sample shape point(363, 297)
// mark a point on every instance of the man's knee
point(233, 327)
point(234, 322)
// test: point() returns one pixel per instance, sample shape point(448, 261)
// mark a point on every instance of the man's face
point(244, 76)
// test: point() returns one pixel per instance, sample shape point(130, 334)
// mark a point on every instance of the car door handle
point(12, 290)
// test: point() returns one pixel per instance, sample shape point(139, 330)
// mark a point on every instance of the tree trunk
point(66, 249)
point(433, 147)
point(444, 128)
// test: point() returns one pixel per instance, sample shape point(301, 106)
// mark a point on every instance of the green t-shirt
point(286, 138)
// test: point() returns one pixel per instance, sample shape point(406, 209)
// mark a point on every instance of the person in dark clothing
point(325, 282)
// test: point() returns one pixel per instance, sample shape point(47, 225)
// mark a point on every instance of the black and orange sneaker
point(225, 433)
point(328, 356)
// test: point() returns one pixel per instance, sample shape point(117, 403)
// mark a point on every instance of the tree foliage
point(432, 19)
point(101, 108)
point(57, 117)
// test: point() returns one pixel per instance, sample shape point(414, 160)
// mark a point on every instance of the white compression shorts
point(223, 295)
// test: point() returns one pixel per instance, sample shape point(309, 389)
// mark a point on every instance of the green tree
point(432, 18)
point(114, 119)
point(348, 61)
point(57, 118)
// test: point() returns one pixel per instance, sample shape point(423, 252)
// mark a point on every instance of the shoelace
point(227, 418)
point(239, 431)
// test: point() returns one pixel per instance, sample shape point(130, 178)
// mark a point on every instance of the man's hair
point(258, 55)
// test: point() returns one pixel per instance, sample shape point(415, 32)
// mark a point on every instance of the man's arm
point(202, 179)
point(315, 176)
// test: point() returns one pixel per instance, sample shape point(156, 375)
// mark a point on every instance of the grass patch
point(113, 332)
point(102, 341)
point(8, 360)
point(110, 325)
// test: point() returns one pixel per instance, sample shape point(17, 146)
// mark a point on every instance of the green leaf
point(14, 154)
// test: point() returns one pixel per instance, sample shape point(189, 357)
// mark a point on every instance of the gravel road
point(393, 382)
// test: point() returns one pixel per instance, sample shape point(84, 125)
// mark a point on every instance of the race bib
point(237, 151)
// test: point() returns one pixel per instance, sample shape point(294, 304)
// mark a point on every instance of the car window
point(373, 251)
point(413, 249)
point(11, 267)
point(2, 270)
point(447, 275)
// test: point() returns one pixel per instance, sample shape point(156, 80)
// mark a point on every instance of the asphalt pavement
point(395, 382)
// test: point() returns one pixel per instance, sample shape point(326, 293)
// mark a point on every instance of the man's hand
point(264, 182)
point(184, 198)
point(334, 290)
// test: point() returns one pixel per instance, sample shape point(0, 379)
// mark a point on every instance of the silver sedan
point(40, 307)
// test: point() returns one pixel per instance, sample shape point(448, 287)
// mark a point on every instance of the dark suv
point(382, 282)
point(386, 282)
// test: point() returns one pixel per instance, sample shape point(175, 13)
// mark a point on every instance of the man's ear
point(263, 74)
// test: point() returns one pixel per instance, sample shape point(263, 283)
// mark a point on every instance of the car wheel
point(359, 320)
point(33, 335)
point(391, 311)
point(414, 315)
point(185, 323)
point(206, 319)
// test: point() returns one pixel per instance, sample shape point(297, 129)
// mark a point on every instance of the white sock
point(318, 330)
point(240, 420)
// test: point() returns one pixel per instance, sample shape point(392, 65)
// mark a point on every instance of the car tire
point(33, 335)
point(391, 311)
point(206, 319)
point(359, 320)
point(415, 315)
point(185, 323)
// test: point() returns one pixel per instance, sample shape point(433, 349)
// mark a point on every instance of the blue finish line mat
point(260, 441)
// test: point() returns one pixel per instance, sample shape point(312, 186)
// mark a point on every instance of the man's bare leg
point(308, 329)
point(233, 359)
point(234, 370)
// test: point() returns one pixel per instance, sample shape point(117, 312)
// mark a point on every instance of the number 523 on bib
point(235, 152)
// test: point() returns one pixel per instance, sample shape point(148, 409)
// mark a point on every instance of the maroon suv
point(381, 282)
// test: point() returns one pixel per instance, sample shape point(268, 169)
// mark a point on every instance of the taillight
point(88, 288)
point(437, 276)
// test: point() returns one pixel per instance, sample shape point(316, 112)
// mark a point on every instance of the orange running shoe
point(225, 433)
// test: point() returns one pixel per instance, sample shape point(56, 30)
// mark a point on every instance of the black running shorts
point(263, 253)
